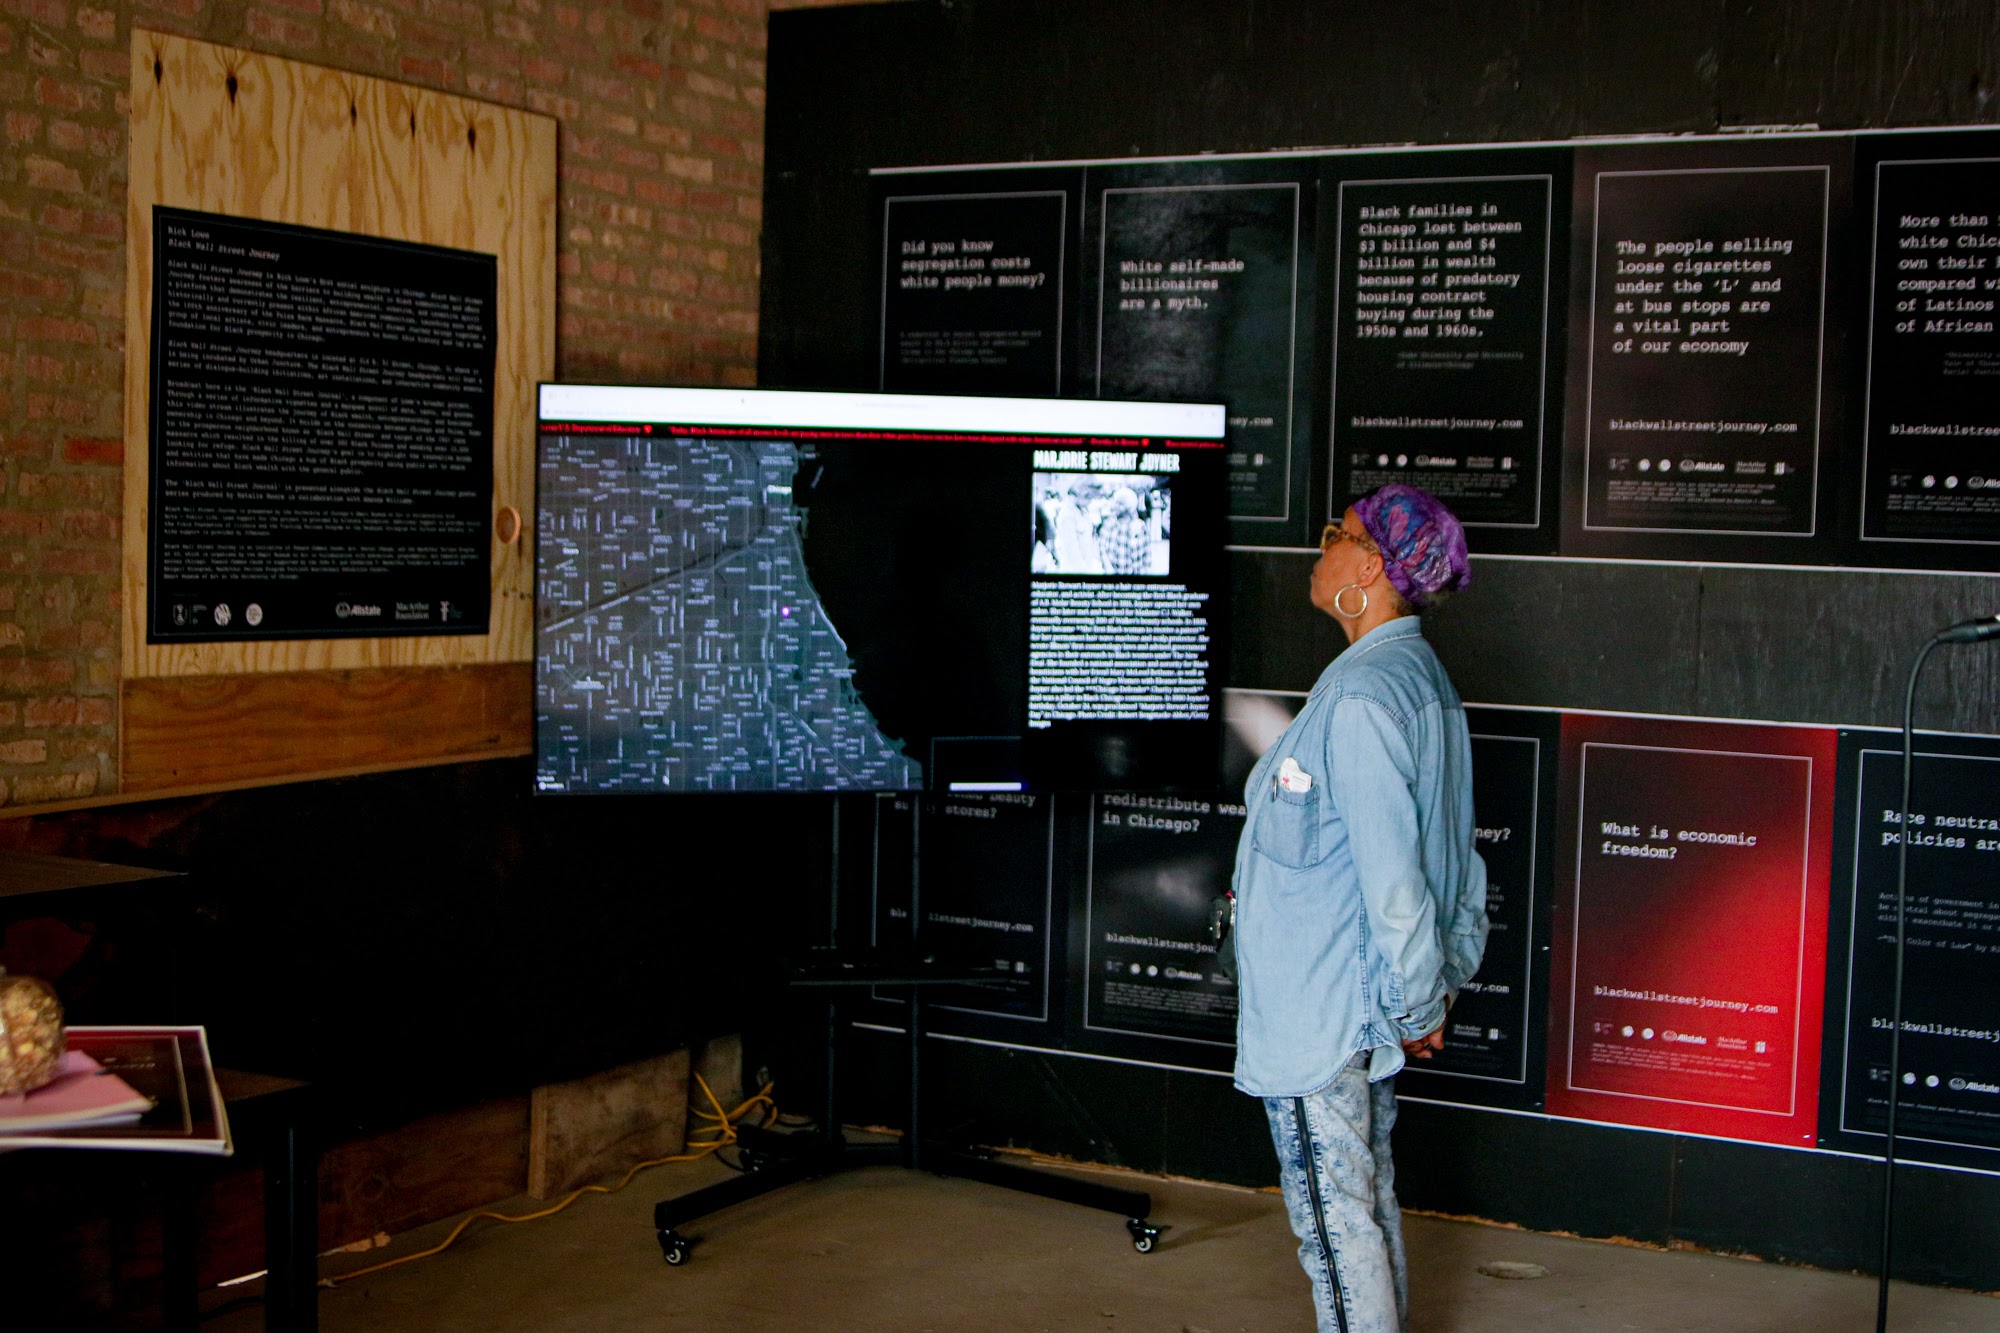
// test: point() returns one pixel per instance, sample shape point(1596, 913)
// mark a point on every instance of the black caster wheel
point(1144, 1237)
point(674, 1246)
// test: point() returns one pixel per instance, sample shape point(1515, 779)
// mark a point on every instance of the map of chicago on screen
point(681, 644)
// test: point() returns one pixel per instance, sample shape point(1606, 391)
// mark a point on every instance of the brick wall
point(661, 106)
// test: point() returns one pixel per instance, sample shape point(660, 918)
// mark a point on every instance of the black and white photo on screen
point(1111, 523)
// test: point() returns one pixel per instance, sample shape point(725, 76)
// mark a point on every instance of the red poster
point(1690, 934)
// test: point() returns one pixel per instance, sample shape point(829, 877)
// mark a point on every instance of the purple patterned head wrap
point(1422, 544)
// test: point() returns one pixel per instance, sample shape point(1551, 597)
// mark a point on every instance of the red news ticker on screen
point(807, 433)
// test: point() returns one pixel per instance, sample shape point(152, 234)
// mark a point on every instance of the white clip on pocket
point(1286, 827)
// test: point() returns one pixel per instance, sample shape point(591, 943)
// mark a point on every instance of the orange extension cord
point(722, 1122)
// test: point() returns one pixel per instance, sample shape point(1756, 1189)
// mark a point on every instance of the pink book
point(82, 1093)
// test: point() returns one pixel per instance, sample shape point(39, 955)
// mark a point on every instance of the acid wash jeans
point(1340, 1190)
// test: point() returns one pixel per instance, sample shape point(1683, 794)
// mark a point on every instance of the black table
point(136, 921)
point(144, 914)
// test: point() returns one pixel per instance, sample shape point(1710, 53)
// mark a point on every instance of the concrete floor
point(893, 1251)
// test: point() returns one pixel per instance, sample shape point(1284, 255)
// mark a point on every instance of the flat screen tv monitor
point(765, 590)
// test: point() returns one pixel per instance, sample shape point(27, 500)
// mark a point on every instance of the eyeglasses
point(1335, 533)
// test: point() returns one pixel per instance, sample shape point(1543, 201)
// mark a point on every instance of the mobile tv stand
point(773, 1161)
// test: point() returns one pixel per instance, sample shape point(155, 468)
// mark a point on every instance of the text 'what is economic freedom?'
point(1693, 939)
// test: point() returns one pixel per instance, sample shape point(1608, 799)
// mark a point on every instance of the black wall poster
point(1702, 323)
point(1441, 338)
point(1496, 1034)
point(987, 887)
point(1150, 988)
point(1948, 1108)
point(972, 283)
point(321, 462)
point(1931, 462)
point(1203, 295)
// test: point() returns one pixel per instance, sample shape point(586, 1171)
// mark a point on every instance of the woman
point(1360, 904)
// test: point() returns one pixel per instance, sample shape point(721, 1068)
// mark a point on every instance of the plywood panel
point(228, 131)
point(202, 732)
point(423, 1171)
point(590, 1128)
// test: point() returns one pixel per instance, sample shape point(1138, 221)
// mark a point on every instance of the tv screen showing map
point(771, 590)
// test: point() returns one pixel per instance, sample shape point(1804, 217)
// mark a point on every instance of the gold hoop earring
point(1351, 615)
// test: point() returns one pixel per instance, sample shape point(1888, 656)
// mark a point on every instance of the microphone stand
point(1896, 1003)
point(1967, 631)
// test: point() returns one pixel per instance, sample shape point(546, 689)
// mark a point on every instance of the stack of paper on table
point(156, 1092)
point(83, 1092)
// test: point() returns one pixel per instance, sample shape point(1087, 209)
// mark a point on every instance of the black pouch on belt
point(1222, 932)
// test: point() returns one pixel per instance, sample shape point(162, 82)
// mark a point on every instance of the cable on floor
point(717, 1121)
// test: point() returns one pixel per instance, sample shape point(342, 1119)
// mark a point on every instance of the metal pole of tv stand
point(774, 1161)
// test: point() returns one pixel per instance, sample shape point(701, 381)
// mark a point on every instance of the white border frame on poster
point(1868, 360)
point(1819, 351)
point(1853, 938)
point(1062, 266)
point(1542, 371)
point(1292, 329)
point(1048, 803)
point(1576, 924)
point(1528, 936)
point(1090, 950)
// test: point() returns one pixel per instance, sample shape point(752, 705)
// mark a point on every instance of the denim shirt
point(1360, 904)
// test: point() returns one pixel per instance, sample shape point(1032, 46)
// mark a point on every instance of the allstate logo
point(1958, 1085)
point(342, 610)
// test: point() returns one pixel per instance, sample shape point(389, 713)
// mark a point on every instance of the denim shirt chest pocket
point(1286, 828)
